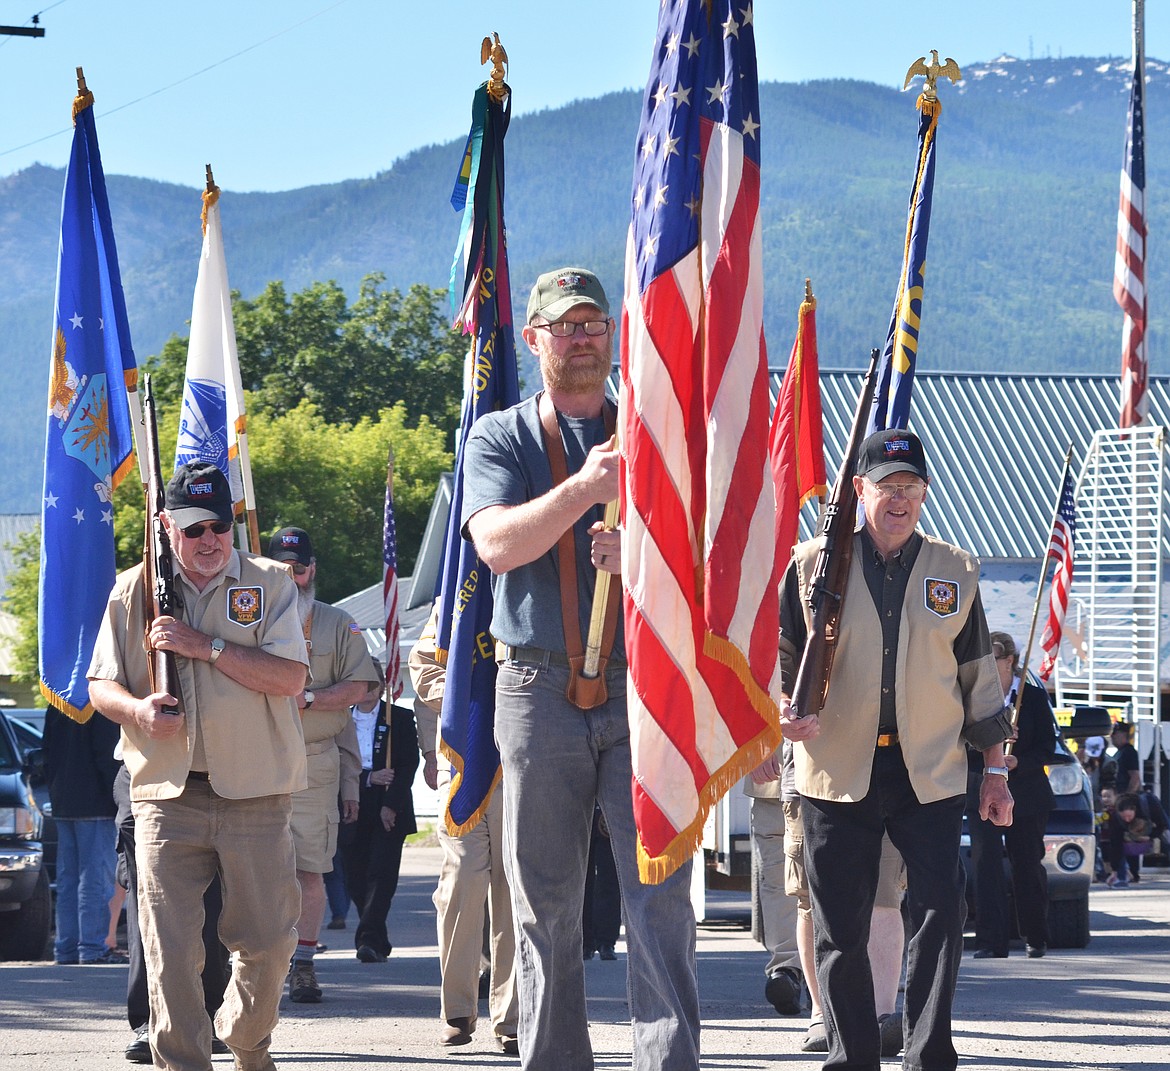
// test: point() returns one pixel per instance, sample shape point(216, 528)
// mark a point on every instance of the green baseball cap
point(556, 292)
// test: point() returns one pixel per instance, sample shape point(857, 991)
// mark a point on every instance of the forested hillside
point(1021, 251)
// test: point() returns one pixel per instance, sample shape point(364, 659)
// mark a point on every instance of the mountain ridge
point(1021, 251)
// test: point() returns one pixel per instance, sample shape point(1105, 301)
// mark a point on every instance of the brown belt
point(887, 739)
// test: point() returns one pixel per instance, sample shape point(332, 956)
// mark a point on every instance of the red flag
point(796, 443)
point(700, 567)
point(1060, 547)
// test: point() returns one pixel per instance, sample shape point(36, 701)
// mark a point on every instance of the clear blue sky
point(336, 89)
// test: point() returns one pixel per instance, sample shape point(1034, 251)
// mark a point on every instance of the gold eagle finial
point(491, 49)
point(931, 72)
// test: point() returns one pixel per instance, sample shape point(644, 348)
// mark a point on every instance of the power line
point(185, 78)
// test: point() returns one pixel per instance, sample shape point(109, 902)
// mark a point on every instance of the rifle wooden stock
point(826, 594)
point(158, 576)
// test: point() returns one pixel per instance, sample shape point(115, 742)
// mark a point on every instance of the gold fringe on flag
point(84, 98)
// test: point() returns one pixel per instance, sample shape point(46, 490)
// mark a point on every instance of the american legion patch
point(942, 596)
point(245, 605)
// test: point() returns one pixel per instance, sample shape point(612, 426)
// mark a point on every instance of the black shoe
point(485, 985)
point(606, 952)
point(509, 1044)
point(138, 1051)
point(987, 953)
point(890, 1031)
point(111, 957)
point(458, 1031)
point(783, 990)
point(370, 955)
point(336, 923)
point(1037, 951)
point(218, 1048)
point(587, 954)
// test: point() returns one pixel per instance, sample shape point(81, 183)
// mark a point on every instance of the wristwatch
point(309, 697)
point(999, 771)
point(217, 646)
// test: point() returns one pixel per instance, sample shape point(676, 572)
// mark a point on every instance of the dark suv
point(25, 901)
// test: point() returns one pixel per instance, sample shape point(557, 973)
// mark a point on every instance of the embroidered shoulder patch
point(245, 606)
point(942, 596)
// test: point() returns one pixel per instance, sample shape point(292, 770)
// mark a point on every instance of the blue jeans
point(86, 858)
point(558, 760)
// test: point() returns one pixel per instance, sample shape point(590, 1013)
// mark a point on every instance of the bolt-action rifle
point(826, 595)
point(158, 576)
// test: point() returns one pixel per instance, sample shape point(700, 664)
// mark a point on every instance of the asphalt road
point(1103, 1007)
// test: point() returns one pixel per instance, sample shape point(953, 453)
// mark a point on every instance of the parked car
point(30, 741)
point(25, 897)
point(1069, 850)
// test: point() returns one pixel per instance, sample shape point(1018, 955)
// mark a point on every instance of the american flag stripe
point(1061, 547)
point(1129, 287)
point(700, 567)
point(394, 685)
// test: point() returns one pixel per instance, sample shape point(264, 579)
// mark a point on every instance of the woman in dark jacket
point(1033, 747)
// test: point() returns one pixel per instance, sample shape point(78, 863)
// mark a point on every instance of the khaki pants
point(180, 844)
point(473, 871)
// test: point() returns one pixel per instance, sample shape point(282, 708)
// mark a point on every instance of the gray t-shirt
point(505, 465)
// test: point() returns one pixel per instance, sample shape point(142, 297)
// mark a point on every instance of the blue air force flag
point(88, 443)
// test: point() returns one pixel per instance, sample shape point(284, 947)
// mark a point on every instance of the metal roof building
point(995, 444)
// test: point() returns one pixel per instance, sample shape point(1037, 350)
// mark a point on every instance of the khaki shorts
point(891, 886)
point(314, 813)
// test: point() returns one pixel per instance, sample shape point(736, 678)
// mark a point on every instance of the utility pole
point(35, 30)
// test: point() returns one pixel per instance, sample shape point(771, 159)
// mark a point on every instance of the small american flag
point(1129, 267)
point(1060, 547)
point(700, 563)
point(390, 588)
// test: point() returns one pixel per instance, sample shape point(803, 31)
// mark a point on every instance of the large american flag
point(1129, 265)
point(1060, 547)
point(390, 588)
point(701, 568)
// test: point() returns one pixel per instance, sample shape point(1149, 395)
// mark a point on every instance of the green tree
point(21, 600)
point(350, 361)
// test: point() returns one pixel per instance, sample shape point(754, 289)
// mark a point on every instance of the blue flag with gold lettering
point(891, 399)
point(482, 302)
point(88, 444)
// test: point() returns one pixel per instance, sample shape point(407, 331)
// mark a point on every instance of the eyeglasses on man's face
point(910, 491)
point(567, 328)
point(195, 531)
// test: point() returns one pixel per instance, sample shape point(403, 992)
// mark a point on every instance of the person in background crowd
point(373, 853)
point(471, 881)
point(80, 769)
point(1127, 777)
point(1033, 748)
point(340, 676)
point(601, 917)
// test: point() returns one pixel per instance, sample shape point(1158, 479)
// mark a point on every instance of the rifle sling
point(581, 691)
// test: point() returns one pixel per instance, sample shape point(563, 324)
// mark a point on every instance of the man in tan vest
point(341, 675)
point(210, 785)
point(914, 684)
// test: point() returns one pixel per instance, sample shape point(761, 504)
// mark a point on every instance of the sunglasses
point(195, 531)
point(298, 569)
